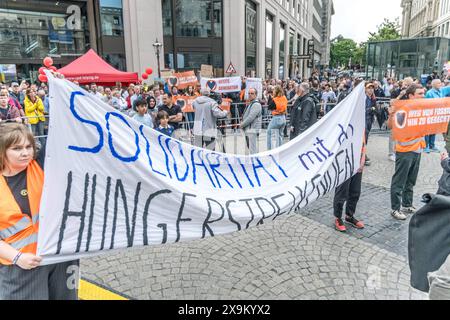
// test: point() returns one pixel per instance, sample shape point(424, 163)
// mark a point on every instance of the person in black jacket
point(303, 113)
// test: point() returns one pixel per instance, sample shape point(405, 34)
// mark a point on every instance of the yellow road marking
point(89, 291)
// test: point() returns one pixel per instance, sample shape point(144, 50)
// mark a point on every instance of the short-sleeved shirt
point(145, 120)
point(18, 185)
point(176, 109)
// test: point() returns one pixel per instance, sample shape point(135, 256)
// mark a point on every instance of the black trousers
point(349, 192)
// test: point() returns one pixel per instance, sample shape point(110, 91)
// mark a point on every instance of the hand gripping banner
point(111, 183)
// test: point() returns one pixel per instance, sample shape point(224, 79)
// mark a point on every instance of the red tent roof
point(91, 68)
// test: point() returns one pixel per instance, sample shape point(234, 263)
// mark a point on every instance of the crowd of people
point(291, 106)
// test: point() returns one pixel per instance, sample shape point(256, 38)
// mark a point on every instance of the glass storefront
point(403, 58)
point(30, 30)
point(269, 46)
point(112, 42)
point(36, 29)
point(250, 39)
point(111, 17)
point(193, 34)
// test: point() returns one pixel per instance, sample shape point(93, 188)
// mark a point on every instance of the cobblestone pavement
point(296, 257)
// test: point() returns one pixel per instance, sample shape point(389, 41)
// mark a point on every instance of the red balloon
point(149, 71)
point(48, 62)
point(41, 70)
point(53, 68)
point(144, 76)
point(43, 78)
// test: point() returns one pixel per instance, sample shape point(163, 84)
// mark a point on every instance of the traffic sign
point(301, 57)
point(231, 69)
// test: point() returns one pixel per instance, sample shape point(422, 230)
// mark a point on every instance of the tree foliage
point(388, 30)
point(344, 51)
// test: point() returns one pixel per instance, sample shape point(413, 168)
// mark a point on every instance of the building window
point(269, 46)
point(198, 18)
point(250, 39)
point(111, 17)
point(281, 70)
point(167, 17)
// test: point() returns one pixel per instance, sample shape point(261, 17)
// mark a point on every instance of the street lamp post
point(157, 46)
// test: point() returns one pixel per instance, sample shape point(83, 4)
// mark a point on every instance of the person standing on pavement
point(349, 193)
point(371, 107)
point(434, 93)
point(407, 164)
point(207, 111)
point(304, 113)
point(21, 184)
point(251, 123)
point(278, 106)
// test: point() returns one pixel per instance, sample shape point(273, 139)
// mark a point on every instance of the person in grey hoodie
point(251, 123)
point(207, 111)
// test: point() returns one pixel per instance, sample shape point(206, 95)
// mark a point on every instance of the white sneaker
point(398, 215)
point(409, 210)
point(392, 157)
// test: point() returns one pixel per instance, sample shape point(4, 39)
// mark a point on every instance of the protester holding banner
point(21, 185)
point(407, 164)
point(278, 106)
point(348, 193)
point(251, 123)
point(207, 111)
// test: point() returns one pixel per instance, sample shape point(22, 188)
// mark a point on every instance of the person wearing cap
point(407, 164)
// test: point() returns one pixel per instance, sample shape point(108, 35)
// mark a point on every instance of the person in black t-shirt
point(21, 184)
point(174, 112)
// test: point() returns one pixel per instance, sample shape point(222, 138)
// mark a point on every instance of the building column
point(234, 35)
point(261, 42)
point(137, 26)
point(276, 47)
point(92, 28)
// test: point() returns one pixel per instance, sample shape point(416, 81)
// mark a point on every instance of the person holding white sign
point(21, 186)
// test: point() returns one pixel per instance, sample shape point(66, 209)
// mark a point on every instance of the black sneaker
point(354, 222)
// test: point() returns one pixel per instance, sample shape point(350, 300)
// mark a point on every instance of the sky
point(354, 19)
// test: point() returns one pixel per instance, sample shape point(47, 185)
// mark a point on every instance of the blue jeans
point(277, 124)
point(430, 140)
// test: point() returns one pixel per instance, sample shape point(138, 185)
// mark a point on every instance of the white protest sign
point(112, 183)
point(254, 83)
point(222, 85)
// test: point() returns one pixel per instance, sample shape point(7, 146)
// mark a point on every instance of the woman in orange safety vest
point(278, 106)
point(21, 275)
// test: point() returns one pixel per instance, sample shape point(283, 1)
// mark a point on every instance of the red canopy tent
point(91, 68)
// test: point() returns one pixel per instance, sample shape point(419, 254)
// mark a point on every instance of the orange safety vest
point(16, 228)
point(411, 145)
point(281, 103)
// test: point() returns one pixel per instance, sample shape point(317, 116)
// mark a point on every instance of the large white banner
point(222, 85)
point(111, 183)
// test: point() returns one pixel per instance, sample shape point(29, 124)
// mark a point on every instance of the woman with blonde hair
point(34, 110)
point(21, 184)
point(278, 106)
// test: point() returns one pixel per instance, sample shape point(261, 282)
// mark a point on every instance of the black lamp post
point(157, 46)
